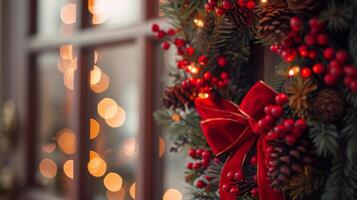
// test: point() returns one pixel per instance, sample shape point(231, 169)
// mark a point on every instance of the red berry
point(197, 165)
point(329, 53)
point(330, 80)
point(200, 82)
point(230, 175)
point(281, 99)
point(224, 75)
point(227, 5)
point(318, 68)
point(301, 124)
point(274, 48)
point(313, 55)
point(297, 133)
point(179, 42)
point(241, 3)
point(221, 84)
point(310, 39)
point(189, 165)
point(206, 155)
point(198, 152)
point(250, 4)
point(262, 124)
point(226, 187)
point(280, 129)
point(350, 71)
point(305, 72)
point(239, 176)
point(219, 11)
point(342, 56)
point(160, 34)
point(335, 69)
point(254, 160)
point(234, 191)
point(200, 184)
point(296, 24)
point(269, 120)
point(171, 32)
point(192, 153)
point(269, 150)
point(207, 76)
point(267, 109)
point(202, 60)
point(165, 45)
point(287, 42)
point(255, 192)
point(212, 2)
point(347, 81)
point(303, 50)
point(289, 124)
point(290, 140)
point(185, 84)
point(208, 7)
point(214, 80)
point(277, 111)
point(314, 23)
point(155, 27)
point(297, 39)
point(222, 61)
point(190, 51)
point(272, 136)
point(353, 85)
point(322, 39)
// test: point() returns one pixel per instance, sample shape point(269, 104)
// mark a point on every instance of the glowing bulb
point(48, 168)
point(113, 182)
point(264, 1)
point(203, 95)
point(199, 23)
point(172, 194)
point(176, 117)
point(194, 70)
point(68, 169)
point(294, 71)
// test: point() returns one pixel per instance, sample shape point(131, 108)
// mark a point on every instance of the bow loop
point(231, 128)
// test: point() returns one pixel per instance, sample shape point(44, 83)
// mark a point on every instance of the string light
point(199, 23)
point(203, 95)
point(294, 71)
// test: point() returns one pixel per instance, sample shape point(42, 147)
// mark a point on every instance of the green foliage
point(338, 16)
point(325, 138)
point(280, 76)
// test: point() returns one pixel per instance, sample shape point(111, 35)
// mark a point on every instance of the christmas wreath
point(294, 137)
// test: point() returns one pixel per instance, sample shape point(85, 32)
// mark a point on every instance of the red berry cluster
point(288, 129)
point(161, 34)
point(334, 64)
point(221, 7)
point(236, 178)
point(203, 159)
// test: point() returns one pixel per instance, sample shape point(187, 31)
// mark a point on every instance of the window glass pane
point(173, 163)
point(115, 13)
point(115, 83)
point(56, 17)
point(55, 138)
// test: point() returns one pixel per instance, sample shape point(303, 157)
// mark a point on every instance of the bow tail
point(266, 192)
point(234, 164)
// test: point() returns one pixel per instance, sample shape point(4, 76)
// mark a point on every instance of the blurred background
point(80, 80)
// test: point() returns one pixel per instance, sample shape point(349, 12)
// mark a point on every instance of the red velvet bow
point(231, 128)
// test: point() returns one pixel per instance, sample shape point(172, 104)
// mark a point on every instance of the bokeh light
point(48, 168)
point(95, 75)
point(68, 14)
point(132, 190)
point(129, 147)
point(68, 78)
point(66, 140)
point(162, 147)
point(49, 148)
point(107, 108)
point(94, 129)
point(118, 119)
point(66, 52)
point(102, 85)
point(68, 168)
point(93, 154)
point(172, 194)
point(97, 167)
point(113, 182)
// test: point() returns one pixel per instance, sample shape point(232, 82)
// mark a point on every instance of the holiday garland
point(295, 139)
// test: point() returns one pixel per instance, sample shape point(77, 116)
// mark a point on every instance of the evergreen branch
point(325, 138)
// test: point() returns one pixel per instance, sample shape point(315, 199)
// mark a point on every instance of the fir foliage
point(325, 138)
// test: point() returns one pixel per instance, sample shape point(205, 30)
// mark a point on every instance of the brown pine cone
point(274, 23)
point(328, 105)
point(286, 161)
point(178, 97)
point(303, 7)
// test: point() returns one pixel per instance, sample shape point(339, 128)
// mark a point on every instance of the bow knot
point(232, 128)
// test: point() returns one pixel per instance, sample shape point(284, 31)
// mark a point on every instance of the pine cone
point(328, 105)
point(274, 23)
point(179, 97)
point(286, 161)
point(303, 7)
